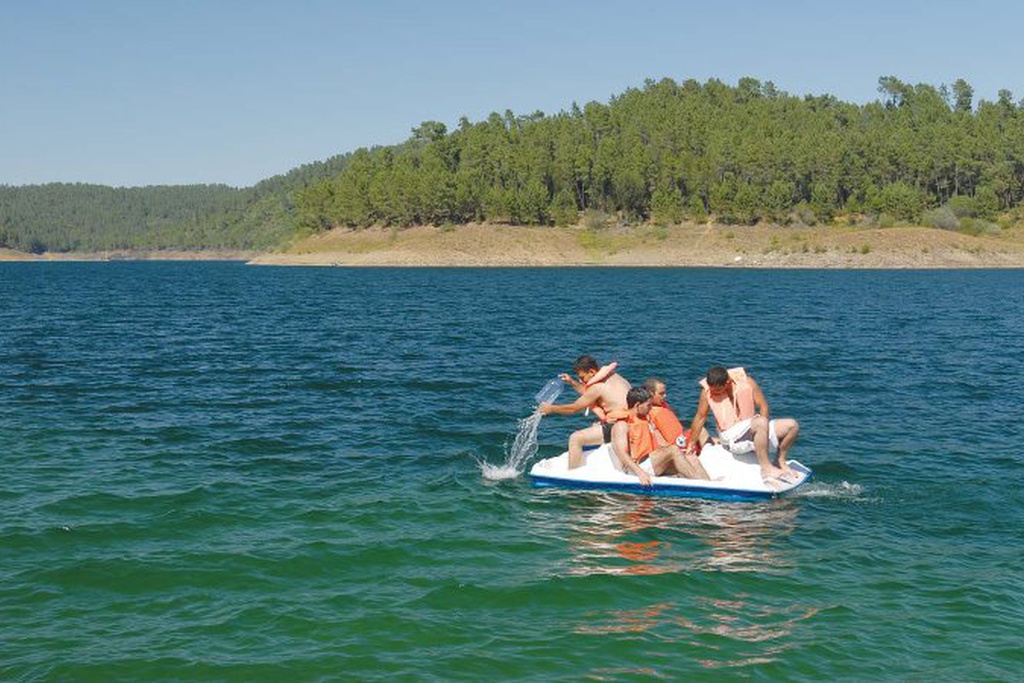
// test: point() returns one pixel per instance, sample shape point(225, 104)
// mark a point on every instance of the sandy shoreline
point(686, 245)
point(130, 255)
point(680, 245)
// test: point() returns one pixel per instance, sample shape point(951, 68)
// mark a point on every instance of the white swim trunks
point(738, 438)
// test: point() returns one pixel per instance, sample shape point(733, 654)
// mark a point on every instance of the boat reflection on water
point(610, 534)
point(708, 562)
point(743, 537)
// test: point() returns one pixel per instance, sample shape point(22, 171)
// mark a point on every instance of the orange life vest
point(669, 426)
point(666, 422)
point(641, 441)
point(736, 408)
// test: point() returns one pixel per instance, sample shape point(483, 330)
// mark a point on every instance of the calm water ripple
point(219, 472)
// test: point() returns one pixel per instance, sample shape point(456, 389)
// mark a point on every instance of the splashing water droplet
point(523, 448)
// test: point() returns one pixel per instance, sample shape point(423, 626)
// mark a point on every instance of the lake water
point(213, 471)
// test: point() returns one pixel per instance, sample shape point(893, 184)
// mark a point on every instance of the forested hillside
point(665, 152)
point(669, 151)
point(64, 217)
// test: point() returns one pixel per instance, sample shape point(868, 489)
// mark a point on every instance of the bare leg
point(787, 430)
point(694, 462)
point(662, 460)
point(589, 436)
point(759, 430)
point(670, 460)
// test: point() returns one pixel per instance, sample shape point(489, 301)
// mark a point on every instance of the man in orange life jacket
point(640, 448)
point(671, 429)
point(601, 390)
point(742, 417)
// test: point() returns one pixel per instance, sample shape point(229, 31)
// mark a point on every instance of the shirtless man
point(641, 449)
point(742, 417)
point(603, 391)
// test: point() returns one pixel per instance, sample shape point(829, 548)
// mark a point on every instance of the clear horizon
point(125, 94)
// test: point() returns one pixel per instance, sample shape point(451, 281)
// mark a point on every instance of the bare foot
point(790, 476)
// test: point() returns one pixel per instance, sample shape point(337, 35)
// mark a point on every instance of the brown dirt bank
point(679, 245)
point(132, 255)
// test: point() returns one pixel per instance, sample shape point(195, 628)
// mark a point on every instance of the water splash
point(524, 445)
point(842, 490)
point(523, 448)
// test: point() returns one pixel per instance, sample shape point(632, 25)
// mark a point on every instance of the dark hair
point(584, 363)
point(717, 376)
point(637, 395)
point(651, 383)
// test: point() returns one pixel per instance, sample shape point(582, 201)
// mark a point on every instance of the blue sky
point(140, 92)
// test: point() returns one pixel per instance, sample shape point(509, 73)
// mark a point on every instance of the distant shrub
point(987, 200)
point(777, 199)
point(824, 196)
point(865, 249)
point(963, 207)
point(695, 210)
point(595, 220)
point(978, 226)
point(563, 209)
point(804, 213)
point(884, 220)
point(901, 201)
point(1011, 218)
point(666, 206)
point(943, 217)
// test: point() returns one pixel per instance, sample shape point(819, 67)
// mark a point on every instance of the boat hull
point(734, 477)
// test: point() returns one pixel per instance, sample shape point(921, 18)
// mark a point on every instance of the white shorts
point(738, 438)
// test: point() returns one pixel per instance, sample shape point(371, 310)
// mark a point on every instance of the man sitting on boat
point(666, 423)
point(601, 390)
point(641, 449)
point(742, 417)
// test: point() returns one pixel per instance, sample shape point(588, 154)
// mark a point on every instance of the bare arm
point(586, 400)
point(620, 445)
point(760, 402)
point(579, 386)
point(699, 418)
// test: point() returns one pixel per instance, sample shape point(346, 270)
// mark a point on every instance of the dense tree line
point(78, 217)
point(669, 151)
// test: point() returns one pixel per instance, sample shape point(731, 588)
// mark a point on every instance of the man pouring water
point(601, 390)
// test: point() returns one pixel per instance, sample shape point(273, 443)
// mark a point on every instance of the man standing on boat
point(601, 390)
point(742, 417)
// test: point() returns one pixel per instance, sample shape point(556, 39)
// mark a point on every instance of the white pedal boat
point(733, 477)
